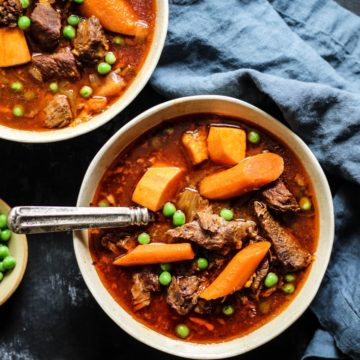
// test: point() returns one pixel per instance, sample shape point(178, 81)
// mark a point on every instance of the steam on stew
point(234, 236)
point(64, 61)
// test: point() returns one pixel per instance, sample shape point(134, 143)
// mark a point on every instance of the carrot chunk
point(13, 47)
point(157, 186)
point(115, 15)
point(237, 272)
point(156, 254)
point(249, 174)
point(195, 144)
point(227, 146)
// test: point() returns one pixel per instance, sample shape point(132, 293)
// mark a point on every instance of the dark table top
point(52, 315)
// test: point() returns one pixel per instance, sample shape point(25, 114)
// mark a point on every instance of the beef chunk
point(90, 43)
point(45, 26)
point(144, 283)
point(58, 112)
point(61, 65)
point(288, 250)
point(118, 242)
point(260, 274)
point(10, 10)
point(183, 293)
point(213, 232)
point(279, 198)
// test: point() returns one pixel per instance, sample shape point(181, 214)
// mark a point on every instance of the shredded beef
point(279, 197)
point(213, 232)
point(183, 293)
point(144, 283)
point(289, 252)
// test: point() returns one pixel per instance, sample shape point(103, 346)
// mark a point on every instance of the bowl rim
point(19, 270)
point(136, 86)
point(231, 347)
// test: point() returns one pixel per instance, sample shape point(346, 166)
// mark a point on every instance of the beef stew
point(246, 249)
point(55, 49)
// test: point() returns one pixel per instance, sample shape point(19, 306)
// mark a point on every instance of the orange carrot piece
point(115, 15)
point(202, 322)
point(13, 47)
point(156, 253)
point(157, 186)
point(249, 174)
point(237, 272)
point(227, 146)
point(195, 144)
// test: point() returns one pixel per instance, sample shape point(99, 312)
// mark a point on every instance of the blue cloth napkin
point(303, 59)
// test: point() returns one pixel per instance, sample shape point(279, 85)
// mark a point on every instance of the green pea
point(73, 20)
point(288, 288)
point(228, 310)
point(24, 22)
point(182, 331)
point(110, 58)
point(118, 40)
point(169, 209)
point(271, 280)
point(3, 221)
point(165, 267)
point(1, 276)
point(5, 235)
point(4, 251)
point(69, 32)
point(305, 203)
point(165, 278)
point(54, 87)
point(254, 137)
point(143, 238)
point(17, 86)
point(9, 263)
point(290, 277)
point(227, 214)
point(178, 218)
point(24, 3)
point(202, 263)
point(103, 203)
point(86, 91)
point(79, 2)
point(104, 68)
point(18, 110)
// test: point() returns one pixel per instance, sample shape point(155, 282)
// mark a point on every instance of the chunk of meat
point(183, 293)
point(90, 44)
point(279, 197)
point(213, 232)
point(118, 242)
point(61, 65)
point(144, 283)
point(260, 274)
point(289, 252)
point(10, 10)
point(45, 26)
point(58, 112)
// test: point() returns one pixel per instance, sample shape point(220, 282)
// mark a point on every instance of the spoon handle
point(42, 219)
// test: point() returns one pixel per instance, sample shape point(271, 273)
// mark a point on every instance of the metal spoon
point(42, 219)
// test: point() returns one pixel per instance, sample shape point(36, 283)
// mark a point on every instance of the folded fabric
point(303, 59)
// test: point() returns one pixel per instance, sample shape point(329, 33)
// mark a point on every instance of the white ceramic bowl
point(234, 108)
point(160, 31)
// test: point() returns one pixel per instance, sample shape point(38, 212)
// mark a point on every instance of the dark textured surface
point(52, 315)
